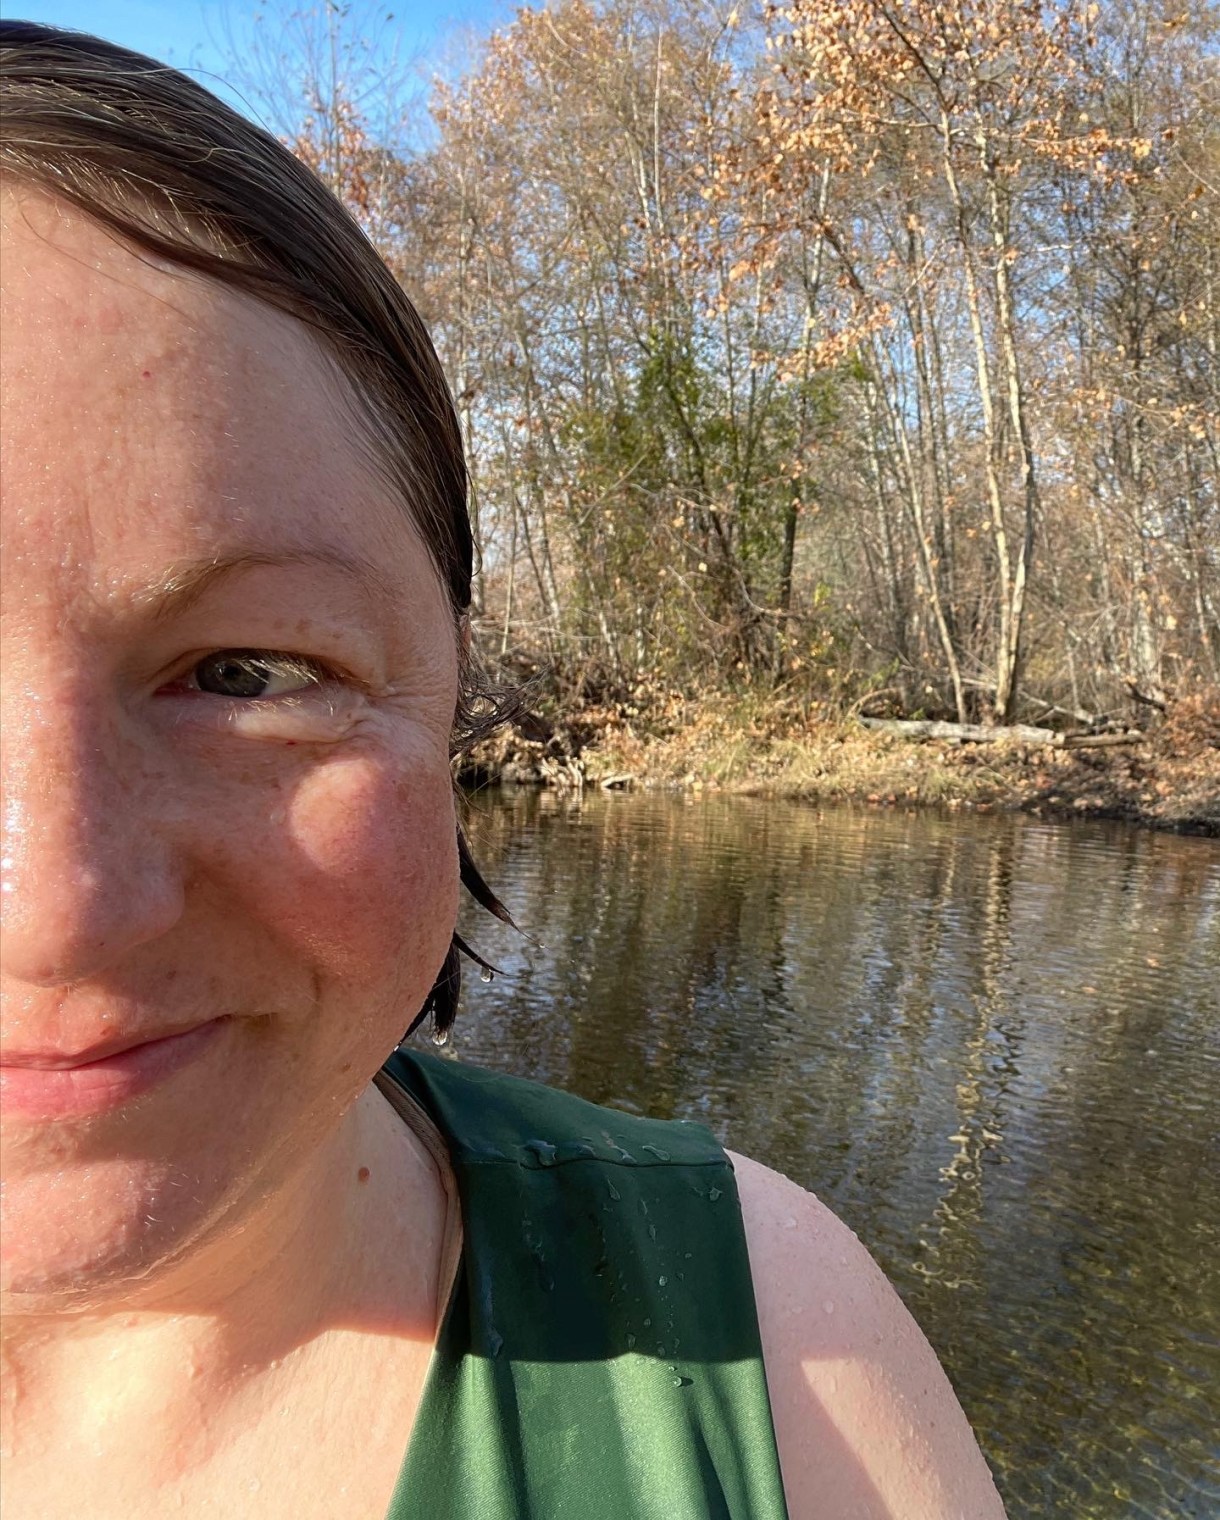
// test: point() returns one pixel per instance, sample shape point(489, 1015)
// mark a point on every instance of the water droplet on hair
point(487, 974)
point(440, 1037)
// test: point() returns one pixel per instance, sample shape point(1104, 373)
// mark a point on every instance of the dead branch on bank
point(1014, 733)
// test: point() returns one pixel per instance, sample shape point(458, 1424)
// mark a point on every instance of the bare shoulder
point(866, 1421)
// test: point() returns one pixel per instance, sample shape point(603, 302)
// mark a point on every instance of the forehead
point(151, 414)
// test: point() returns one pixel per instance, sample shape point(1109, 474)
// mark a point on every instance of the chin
point(82, 1235)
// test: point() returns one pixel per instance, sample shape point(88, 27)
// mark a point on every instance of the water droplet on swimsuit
point(545, 1281)
point(487, 974)
point(713, 1193)
point(630, 1342)
point(623, 1155)
point(495, 1341)
point(542, 1151)
point(683, 1382)
point(655, 1150)
point(440, 1037)
point(613, 1191)
point(662, 1280)
point(647, 1322)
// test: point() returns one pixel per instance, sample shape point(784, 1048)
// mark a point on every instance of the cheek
point(357, 870)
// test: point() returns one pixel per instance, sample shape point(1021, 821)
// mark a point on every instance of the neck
point(177, 1368)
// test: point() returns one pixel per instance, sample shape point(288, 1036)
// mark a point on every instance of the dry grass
point(1171, 781)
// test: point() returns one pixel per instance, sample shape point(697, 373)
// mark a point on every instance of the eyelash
point(312, 672)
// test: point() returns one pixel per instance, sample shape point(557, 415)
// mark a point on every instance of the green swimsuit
point(599, 1357)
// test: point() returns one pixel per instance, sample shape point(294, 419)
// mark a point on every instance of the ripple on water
point(942, 1025)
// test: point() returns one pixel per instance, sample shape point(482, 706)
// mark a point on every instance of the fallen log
point(962, 733)
point(981, 733)
point(1096, 741)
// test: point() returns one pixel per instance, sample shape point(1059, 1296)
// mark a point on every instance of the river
point(992, 1045)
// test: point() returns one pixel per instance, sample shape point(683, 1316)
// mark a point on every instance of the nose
point(88, 874)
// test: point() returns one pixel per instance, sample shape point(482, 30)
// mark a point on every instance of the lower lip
point(70, 1092)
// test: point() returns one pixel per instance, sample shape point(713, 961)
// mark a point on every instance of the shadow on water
point(992, 1045)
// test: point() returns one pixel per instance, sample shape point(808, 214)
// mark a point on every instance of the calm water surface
point(991, 1044)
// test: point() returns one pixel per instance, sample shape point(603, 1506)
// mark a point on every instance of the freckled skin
point(170, 858)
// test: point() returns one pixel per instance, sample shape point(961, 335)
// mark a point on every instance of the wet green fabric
point(599, 1358)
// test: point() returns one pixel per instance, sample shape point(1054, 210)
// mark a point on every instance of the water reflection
point(991, 1044)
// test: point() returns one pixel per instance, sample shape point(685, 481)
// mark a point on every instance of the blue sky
point(191, 34)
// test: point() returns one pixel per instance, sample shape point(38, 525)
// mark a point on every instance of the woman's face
point(229, 679)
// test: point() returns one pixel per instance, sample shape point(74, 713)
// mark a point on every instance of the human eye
point(266, 694)
point(254, 675)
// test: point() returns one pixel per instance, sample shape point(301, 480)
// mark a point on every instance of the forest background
point(818, 361)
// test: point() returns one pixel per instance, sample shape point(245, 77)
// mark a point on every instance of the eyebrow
point(187, 583)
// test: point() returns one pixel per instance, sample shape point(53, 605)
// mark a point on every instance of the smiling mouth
point(54, 1085)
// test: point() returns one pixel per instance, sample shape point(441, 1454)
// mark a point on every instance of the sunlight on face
point(230, 675)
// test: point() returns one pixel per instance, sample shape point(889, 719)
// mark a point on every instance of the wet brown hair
point(171, 170)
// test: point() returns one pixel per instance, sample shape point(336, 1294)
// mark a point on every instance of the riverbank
point(1169, 779)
